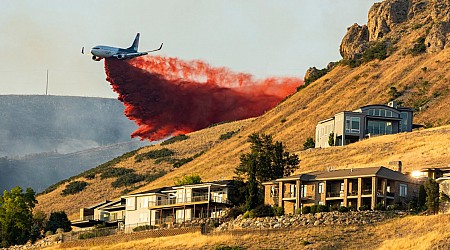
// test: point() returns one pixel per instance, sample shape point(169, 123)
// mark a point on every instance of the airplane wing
point(129, 55)
point(160, 47)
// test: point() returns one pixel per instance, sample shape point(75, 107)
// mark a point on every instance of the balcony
point(335, 194)
point(187, 200)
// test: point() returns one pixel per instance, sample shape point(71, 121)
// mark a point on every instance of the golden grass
point(411, 232)
point(341, 89)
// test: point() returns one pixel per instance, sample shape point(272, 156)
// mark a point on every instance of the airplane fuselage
point(99, 52)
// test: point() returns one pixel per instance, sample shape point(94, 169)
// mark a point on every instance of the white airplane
point(99, 52)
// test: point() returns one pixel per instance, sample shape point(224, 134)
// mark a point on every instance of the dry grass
point(411, 232)
point(341, 89)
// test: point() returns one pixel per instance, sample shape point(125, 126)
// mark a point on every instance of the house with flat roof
point(176, 205)
point(110, 213)
point(356, 187)
point(351, 126)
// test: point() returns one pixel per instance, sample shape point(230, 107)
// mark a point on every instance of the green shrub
point(278, 211)
point(88, 235)
point(90, 176)
point(154, 154)
point(127, 180)
point(188, 180)
point(379, 207)
point(309, 143)
point(319, 209)
point(306, 210)
point(248, 214)
point(175, 139)
point(116, 172)
point(263, 211)
point(364, 208)
point(227, 135)
point(154, 176)
point(74, 188)
point(180, 162)
point(165, 159)
point(343, 209)
point(143, 228)
point(419, 47)
point(234, 212)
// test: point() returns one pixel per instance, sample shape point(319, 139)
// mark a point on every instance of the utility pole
point(46, 87)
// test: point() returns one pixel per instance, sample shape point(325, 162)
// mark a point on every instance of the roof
point(350, 173)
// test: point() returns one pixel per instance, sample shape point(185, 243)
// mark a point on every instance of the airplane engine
point(95, 58)
point(120, 56)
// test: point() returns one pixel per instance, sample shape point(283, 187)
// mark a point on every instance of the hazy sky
point(264, 38)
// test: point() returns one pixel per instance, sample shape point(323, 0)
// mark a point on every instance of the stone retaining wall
point(299, 220)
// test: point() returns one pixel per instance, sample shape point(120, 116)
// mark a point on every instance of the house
point(175, 205)
point(110, 213)
point(351, 126)
point(355, 188)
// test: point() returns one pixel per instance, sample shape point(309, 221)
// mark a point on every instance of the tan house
point(343, 187)
point(110, 213)
point(174, 205)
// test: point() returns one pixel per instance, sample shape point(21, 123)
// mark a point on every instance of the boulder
point(355, 42)
point(383, 16)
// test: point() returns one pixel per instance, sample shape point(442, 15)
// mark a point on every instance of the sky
point(263, 38)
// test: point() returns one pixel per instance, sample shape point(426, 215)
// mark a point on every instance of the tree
point(38, 225)
point(331, 139)
point(16, 216)
point(267, 160)
point(188, 180)
point(309, 143)
point(58, 220)
point(432, 189)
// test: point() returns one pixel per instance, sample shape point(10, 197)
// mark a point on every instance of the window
point(352, 124)
point(321, 186)
point(272, 191)
point(129, 202)
point(379, 127)
point(403, 190)
point(304, 189)
point(292, 189)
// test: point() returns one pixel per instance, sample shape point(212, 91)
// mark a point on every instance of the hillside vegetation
point(421, 80)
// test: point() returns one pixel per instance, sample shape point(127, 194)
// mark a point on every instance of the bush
point(175, 139)
point(419, 47)
point(154, 154)
point(319, 209)
point(74, 188)
point(143, 228)
point(278, 211)
point(182, 161)
point(127, 180)
point(380, 207)
point(227, 135)
point(248, 214)
point(188, 180)
point(263, 211)
point(234, 212)
point(364, 208)
point(116, 172)
point(306, 210)
point(309, 143)
point(84, 236)
point(58, 220)
point(343, 209)
point(165, 159)
point(393, 207)
point(154, 176)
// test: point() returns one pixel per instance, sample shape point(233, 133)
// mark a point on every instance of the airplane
point(99, 52)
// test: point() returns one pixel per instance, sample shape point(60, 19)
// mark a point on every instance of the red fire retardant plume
point(168, 96)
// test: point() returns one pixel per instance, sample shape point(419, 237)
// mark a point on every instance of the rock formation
point(354, 42)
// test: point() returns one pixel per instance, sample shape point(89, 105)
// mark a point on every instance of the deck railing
point(187, 200)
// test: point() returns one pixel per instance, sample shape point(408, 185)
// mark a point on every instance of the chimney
point(393, 104)
point(396, 165)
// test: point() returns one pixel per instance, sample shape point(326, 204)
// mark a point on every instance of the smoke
point(168, 96)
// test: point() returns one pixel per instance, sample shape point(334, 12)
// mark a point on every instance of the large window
point(381, 112)
point(321, 186)
point(303, 190)
point(352, 124)
point(379, 127)
point(404, 121)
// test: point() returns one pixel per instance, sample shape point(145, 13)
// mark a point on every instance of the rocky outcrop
point(382, 16)
point(318, 219)
point(354, 42)
point(438, 38)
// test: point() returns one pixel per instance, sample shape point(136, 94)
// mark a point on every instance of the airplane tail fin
point(135, 44)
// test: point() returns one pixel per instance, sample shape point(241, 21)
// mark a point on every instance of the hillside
point(44, 139)
point(421, 80)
